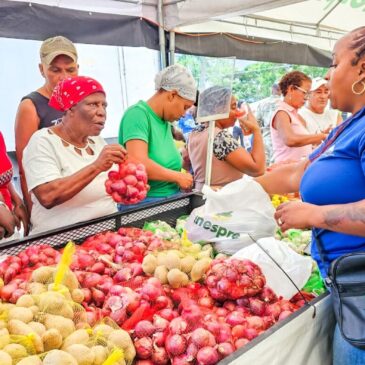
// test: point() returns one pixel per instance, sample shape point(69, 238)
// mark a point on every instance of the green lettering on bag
point(215, 228)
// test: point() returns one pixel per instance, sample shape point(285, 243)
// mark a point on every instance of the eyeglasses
point(305, 92)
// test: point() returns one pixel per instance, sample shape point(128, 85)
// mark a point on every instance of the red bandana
point(72, 90)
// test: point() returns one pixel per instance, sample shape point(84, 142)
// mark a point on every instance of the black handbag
point(346, 281)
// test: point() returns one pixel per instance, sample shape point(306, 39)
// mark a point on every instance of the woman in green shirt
point(146, 132)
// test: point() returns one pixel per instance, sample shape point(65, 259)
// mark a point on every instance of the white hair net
point(179, 78)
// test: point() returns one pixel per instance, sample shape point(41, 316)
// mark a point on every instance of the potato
point(221, 256)
point(82, 354)
point(31, 360)
point(149, 264)
point(52, 340)
point(5, 358)
point(58, 357)
point(161, 274)
point(64, 325)
point(200, 268)
point(23, 314)
point(4, 338)
point(177, 278)
point(161, 259)
point(121, 339)
point(42, 275)
point(15, 351)
point(79, 337)
point(50, 302)
point(37, 327)
point(3, 324)
point(70, 280)
point(77, 295)
point(36, 288)
point(25, 301)
point(100, 354)
point(34, 309)
point(17, 327)
point(173, 261)
point(187, 264)
point(104, 329)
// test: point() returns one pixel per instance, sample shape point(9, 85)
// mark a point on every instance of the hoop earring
point(357, 92)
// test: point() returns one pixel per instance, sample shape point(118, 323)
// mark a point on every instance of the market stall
point(304, 337)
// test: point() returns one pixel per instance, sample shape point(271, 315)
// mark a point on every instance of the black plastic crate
point(168, 210)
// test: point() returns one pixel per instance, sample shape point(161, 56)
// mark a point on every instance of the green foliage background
point(251, 83)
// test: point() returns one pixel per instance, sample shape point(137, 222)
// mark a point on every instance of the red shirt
point(6, 173)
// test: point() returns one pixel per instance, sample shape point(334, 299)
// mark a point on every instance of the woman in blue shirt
point(332, 181)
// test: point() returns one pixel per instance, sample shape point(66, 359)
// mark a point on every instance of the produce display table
point(298, 339)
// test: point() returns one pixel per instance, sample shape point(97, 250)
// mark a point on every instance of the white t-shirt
point(317, 123)
point(46, 159)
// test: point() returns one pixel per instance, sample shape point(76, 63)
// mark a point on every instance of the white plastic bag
point(297, 267)
point(231, 214)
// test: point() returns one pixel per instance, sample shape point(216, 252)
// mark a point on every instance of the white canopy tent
point(278, 30)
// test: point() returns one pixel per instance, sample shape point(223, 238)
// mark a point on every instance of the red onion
point(255, 322)
point(273, 310)
point(144, 362)
point(202, 338)
point(143, 347)
point(267, 295)
point(206, 302)
point(150, 291)
point(175, 345)
point(178, 326)
point(159, 338)
point(250, 333)
point(207, 356)
point(182, 360)
point(235, 318)
point(159, 356)
point(257, 307)
point(238, 331)
point(192, 350)
point(241, 342)
point(224, 334)
point(144, 329)
point(221, 312)
point(7, 291)
point(91, 280)
point(284, 314)
point(225, 348)
point(160, 323)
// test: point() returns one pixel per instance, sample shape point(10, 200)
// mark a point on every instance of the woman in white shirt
point(66, 165)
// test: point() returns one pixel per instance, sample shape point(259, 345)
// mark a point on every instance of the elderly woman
point(291, 140)
point(230, 160)
point(66, 165)
point(12, 209)
point(58, 58)
point(332, 181)
point(145, 131)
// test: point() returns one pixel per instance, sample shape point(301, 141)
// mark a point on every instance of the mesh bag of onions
point(128, 185)
point(234, 279)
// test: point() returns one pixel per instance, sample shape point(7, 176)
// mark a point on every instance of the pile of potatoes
point(178, 268)
point(48, 327)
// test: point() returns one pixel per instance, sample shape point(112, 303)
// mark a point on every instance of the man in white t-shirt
point(318, 117)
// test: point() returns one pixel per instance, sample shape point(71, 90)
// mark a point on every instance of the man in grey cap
point(58, 57)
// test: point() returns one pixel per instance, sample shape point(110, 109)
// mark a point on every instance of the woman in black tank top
point(58, 61)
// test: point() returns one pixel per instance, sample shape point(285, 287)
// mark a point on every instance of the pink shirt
point(282, 152)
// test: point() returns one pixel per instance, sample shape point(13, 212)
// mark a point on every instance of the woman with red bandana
point(66, 165)
point(12, 209)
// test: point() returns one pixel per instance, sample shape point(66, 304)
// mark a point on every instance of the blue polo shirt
point(337, 177)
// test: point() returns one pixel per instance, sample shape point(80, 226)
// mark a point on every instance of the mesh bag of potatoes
point(62, 344)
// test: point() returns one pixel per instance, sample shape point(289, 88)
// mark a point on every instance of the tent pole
point(172, 47)
point(208, 163)
point(161, 33)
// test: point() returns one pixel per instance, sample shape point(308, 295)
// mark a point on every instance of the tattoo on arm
point(340, 215)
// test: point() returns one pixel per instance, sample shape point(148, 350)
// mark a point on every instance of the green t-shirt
point(141, 122)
